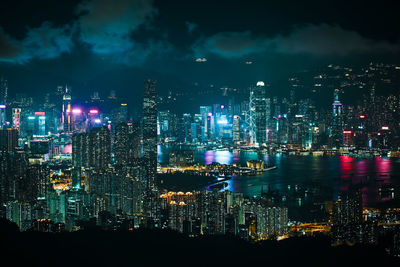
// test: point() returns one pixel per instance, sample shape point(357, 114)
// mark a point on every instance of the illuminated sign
point(40, 113)
point(385, 127)
point(347, 132)
point(362, 116)
point(31, 118)
point(97, 121)
point(76, 111)
point(124, 104)
point(209, 114)
point(93, 111)
point(3, 106)
point(260, 83)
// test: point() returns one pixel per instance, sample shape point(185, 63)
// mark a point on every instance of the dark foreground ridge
point(93, 247)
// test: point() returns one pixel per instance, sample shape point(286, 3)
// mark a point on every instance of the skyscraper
point(16, 118)
point(66, 111)
point(3, 91)
point(150, 152)
point(150, 128)
point(259, 100)
point(236, 128)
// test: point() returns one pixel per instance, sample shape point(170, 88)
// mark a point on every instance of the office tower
point(16, 118)
point(40, 123)
point(258, 109)
point(123, 115)
point(67, 112)
point(336, 124)
point(236, 128)
point(150, 129)
point(99, 147)
point(93, 119)
point(8, 140)
point(121, 144)
point(3, 119)
point(151, 207)
point(3, 91)
point(187, 120)
point(164, 120)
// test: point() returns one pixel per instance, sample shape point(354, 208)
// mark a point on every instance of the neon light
point(76, 111)
point(362, 116)
point(385, 127)
point(260, 83)
point(93, 111)
point(347, 132)
point(40, 113)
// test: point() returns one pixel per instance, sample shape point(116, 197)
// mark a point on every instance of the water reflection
point(328, 176)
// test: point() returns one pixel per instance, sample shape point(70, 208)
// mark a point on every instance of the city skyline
point(149, 131)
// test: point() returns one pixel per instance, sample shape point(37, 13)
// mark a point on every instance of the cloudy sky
point(106, 44)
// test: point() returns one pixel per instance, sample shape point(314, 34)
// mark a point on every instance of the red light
point(40, 113)
point(347, 132)
point(379, 133)
point(385, 127)
point(362, 116)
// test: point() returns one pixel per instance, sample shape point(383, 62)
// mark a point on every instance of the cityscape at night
point(146, 132)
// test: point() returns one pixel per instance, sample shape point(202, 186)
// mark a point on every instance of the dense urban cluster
point(64, 164)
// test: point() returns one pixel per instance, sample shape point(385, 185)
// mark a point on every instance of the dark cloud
point(108, 28)
point(9, 48)
point(319, 40)
point(44, 42)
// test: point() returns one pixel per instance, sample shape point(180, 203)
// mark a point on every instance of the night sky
point(102, 45)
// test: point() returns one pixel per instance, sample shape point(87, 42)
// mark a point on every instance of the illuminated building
point(99, 147)
point(8, 139)
point(347, 137)
point(93, 119)
point(3, 118)
point(67, 112)
point(40, 123)
point(3, 91)
point(134, 140)
point(149, 135)
point(336, 124)
point(258, 113)
point(121, 144)
point(16, 118)
point(78, 120)
point(236, 128)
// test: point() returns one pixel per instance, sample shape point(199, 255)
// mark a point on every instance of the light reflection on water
point(330, 175)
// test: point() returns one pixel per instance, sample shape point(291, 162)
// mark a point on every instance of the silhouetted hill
point(167, 248)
